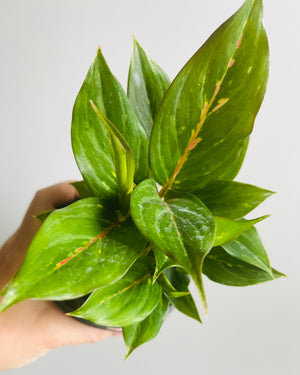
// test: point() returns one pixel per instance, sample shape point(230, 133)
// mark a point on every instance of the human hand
point(32, 328)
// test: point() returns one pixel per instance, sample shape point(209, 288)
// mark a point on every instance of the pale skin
point(32, 328)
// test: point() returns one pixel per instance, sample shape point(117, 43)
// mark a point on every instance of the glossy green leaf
point(229, 230)
point(232, 199)
point(146, 330)
point(249, 248)
point(184, 304)
point(124, 161)
point(235, 167)
point(181, 227)
point(91, 141)
point(163, 262)
point(222, 268)
point(125, 302)
point(78, 248)
point(43, 215)
point(82, 189)
point(209, 110)
point(147, 84)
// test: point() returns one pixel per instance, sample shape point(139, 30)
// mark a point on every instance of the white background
point(46, 48)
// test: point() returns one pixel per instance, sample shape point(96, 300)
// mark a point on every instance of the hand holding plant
point(158, 202)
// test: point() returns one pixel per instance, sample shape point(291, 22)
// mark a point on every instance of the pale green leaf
point(208, 112)
point(79, 248)
point(147, 84)
point(125, 302)
point(181, 227)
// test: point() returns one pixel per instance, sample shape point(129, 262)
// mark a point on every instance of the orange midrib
point(77, 251)
point(194, 140)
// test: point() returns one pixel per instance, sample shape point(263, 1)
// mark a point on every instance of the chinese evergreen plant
point(158, 202)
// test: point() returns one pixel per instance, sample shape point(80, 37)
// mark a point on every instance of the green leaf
point(169, 289)
point(184, 304)
point(229, 230)
point(181, 227)
point(222, 268)
point(163, 262)
point(43, 216)
point(147, 84)
point(78, 248)
point(249, 248)
point(124, 161)
point(235, 167)
point(209, 110)
point(91, 141)
point(232, 199)
point(145, 330)
point(82, 189)
point(125, 302)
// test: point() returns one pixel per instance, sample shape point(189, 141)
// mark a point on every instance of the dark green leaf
point(249, 248)
point(181, 227)
point(43, 216)
point(235, 167)
point(209, 110)
point(222, 268)
point(184, 304)
point(125, 302)
point(232, 199)
point(229, 230)
point(147, 84)
point(91, 141)
point(124, 161)
point(144, 331)
point(169, 289)
point(178, 278)
point(78, 248)
point(82, 189)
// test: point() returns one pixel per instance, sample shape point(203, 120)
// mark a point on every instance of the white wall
point(46, 48)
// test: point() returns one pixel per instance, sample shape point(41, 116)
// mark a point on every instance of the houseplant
point(128, 244)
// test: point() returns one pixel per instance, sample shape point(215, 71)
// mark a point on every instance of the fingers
point(63, 330)
point(55, 196)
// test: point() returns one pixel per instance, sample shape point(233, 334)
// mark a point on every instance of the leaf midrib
point(204, 114)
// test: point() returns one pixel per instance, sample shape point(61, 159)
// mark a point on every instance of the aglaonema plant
point(158, 201)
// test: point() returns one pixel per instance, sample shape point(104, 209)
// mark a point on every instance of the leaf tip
point(129, 350)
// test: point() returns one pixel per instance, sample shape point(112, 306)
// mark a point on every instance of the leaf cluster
point(159, 205)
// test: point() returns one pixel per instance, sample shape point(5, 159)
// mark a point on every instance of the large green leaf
point(125, 302)
point(181, 227)
point(124, 161)
point(78, 248)
point(229, 230)
point(209, 110)
point(144, 331)
point(249, 248)
point(235, 167)
point(185, 304)
point(232, 199)
point(90, 139)
point(222, 268)
point(147, 84)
